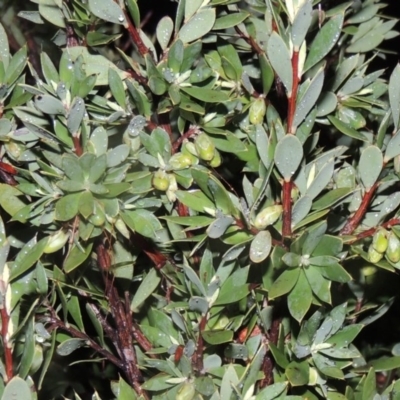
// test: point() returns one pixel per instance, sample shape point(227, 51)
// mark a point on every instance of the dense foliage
point(206, 211)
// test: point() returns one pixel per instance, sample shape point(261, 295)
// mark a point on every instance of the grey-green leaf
point(370, 166)
point(107, 10)
point(309, 98)
point(146, 288)
point(394, 95)
point(324, 41)
point(279, 57)
point(301, 23)
point(260, 247)
point(164, 31)
point(4, 48)
point(17, 388)
point(288, 156)
point(75, 115)
point(393, 147)
point(199, 25)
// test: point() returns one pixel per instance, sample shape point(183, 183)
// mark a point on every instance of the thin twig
point(355, 220)
point(188, 134)
point(8, 359)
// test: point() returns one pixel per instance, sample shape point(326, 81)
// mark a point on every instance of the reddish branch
point(293, 95)
point(5, 321)
point(268, 364)
point(122, 317)
point(135, 36)
point(355, 220)
point(287, 208)
point(188, 134)
point(371, 231)
point(288, 185)
point(77, 145)
point(57, 323)
point(197, 358)
point(254, 45)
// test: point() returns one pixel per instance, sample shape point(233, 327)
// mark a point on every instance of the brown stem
point(254, 45)
point(287, 208)
point(77, 145)
point(55, 321)
point(5, 321)
point(188, 134)
point(268, 364)
point(371, 231)
point(293, 95)
point(197, 358)
point(135, 36)
point(123, 322)
point(355, 220)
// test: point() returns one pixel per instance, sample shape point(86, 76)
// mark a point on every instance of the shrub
point(207, 211)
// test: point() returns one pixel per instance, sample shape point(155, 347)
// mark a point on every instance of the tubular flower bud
point(160, 180)
point(186, 392)
point(205, 147)
point(216, 161)
point(257, 111)
point(393, 248)
point(268, 216)
point(56, 242)
point(373, 255)
point(180, 161)
point(380, 241)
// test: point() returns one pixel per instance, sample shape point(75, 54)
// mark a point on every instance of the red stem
point(371, 231)
point(77, 145)
point(5, 320)
point(287, 208)
point(293, 95)
point(135, 36)
point(355, 220)
point(189, 133)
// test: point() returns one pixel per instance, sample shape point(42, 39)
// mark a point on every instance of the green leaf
point(52, 14)
point(297, 373)
point(285, 283)
point(279, 57)
point(301, 23)
point(199, 25)
point(344, 128)
point(321, 181)
point(394, 95)
point(76, 257)
point(16, 66)
point(164, 31)
point(300, 298)
point(69, 346)
point(117, 155)
point(218, 227)
point(195, 200)
point(288, 156)
point(323, 43)
point(272, 391)
point(75, 115)
point(206, 95)
point(260, 247)
point(17, 388)
point(117, 87)
point(4, 47)
point(309, 98)
point(370, 166)
point(217, 337)
point(107, 10)
point(67, 207)
point(230, 20)
point(301, 209)
point(49, 70)
point(28, 256)
point(393, 147)
point(9, 199)
point(146, 288)
point(142, 221)
point(234, 288)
